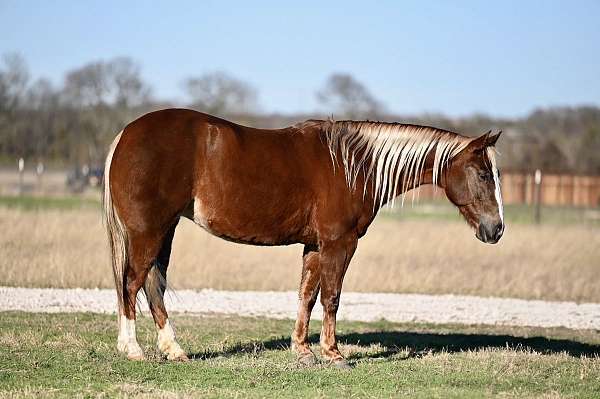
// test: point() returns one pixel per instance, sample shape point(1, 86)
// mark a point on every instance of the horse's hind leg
point(155, 287)
point(307, 295)
point(143, 249)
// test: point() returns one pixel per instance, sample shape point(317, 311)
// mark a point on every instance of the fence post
point(39, 171)
point(21, 175)
point(537, 196)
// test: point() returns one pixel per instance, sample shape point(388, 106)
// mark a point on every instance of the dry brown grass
point(68, 249)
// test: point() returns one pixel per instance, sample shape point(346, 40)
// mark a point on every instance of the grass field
point(61, 243)
point(74, 354)
point(30, 202)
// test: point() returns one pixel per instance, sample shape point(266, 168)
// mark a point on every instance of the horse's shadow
point(414, 344)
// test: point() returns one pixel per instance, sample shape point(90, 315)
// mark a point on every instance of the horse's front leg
point(334, 258)
point(307, 296)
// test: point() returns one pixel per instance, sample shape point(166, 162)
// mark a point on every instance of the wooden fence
point(555, 190)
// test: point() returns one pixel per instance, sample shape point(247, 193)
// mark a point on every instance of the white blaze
point(497, 192)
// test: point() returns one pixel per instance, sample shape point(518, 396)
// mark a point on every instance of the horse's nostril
point(498, 232)
point(482, 232)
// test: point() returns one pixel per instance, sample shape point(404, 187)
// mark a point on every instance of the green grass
point(29, 202)
point(74, 354)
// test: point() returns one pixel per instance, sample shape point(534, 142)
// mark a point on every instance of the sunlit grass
point(74, 354)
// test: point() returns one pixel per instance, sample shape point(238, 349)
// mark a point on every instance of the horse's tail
point(117, 234)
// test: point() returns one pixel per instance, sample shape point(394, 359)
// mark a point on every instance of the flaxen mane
point(393, 153)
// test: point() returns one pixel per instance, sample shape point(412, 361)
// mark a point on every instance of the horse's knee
point(330, 303)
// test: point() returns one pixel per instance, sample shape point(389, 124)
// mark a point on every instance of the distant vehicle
point(81, 177)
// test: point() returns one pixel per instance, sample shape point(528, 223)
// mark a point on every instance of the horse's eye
point(485, 176)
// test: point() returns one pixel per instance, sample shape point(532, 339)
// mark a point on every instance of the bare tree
point(127, 84)
point(221, 94)
point(104, 93)
point(117, 82)
point(14, 76)
point(44, 120)
point(346, 96)
point(88, 85)
point(588, 159)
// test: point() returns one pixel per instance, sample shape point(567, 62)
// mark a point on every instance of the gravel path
point(354, 306)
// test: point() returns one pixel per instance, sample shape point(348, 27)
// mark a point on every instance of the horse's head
point(473, 185)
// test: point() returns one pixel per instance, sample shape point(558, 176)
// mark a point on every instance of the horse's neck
point(426, 177)
point(392, 158)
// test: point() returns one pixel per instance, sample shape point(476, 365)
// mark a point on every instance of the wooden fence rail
point(555, 190)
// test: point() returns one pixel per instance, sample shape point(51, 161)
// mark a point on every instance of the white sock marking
point(127, 341)
point(167, 343)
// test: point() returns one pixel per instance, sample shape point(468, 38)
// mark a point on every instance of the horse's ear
point(479, 143)
point(491, 141)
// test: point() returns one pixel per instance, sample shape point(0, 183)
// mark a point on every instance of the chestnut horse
point(319, 183)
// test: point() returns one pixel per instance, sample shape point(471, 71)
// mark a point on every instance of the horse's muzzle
point(490, 233)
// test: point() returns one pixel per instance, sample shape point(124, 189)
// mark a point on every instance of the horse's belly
point(251, 222)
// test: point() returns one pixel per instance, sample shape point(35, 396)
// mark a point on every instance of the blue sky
point(454, 57)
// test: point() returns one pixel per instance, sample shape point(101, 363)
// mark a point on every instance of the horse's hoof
point(135, 356)
point(181, 357)
point(307, 359)
point(132, 349)
point(122, 346)
point(341, 364)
